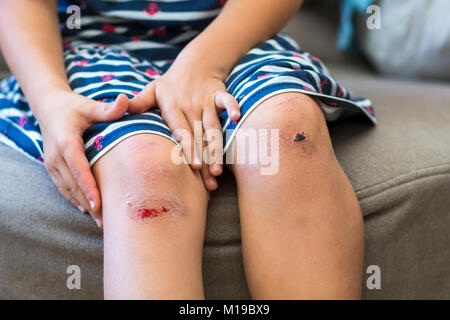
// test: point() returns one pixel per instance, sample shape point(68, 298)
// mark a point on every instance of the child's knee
point(144, 180)
point(288, 128)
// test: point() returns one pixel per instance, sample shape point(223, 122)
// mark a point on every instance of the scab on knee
point(299, 137)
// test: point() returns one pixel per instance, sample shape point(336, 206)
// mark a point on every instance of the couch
point(400, 170)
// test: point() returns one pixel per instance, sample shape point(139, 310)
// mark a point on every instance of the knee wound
point(154, 208)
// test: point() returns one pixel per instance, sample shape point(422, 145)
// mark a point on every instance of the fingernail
point(212, 181)
point(99, 223)
point(217, 167)
point(234, 113)
point(92, 204)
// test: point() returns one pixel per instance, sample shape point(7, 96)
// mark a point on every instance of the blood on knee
point(147, 210)
point(144, 213)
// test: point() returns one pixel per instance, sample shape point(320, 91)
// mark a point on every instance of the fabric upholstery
point(400, 170)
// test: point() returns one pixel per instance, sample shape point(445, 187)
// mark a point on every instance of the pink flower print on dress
point(23, 121)
point(223, 2)
point(66, 44)
point(108, 28)
point(81, 63)
point(40, 159)
point(151, 72)
point(152, 9)
point(323, 84)
point(108, 77)
point(265, 76)
point(159, 32)
point(316, 59)
point(97, 145)
point(307, 88)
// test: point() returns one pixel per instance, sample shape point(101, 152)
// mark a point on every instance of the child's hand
point(188, 93)
point(63, 118)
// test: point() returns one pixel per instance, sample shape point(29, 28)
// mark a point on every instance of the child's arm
point(199, 71)
point(242, 25)
point(31, 43)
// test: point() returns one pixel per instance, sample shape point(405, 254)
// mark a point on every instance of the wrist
point(47, 101)
point(205, 59)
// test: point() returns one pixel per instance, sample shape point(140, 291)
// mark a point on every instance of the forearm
point(31, 43)
point(240, 26)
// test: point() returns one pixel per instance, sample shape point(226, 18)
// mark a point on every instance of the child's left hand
point(187, 93)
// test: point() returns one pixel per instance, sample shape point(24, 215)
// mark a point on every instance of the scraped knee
point(154, 208)
point(149, 184)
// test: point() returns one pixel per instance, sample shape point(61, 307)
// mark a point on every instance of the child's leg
point(302, 228)
point(154, 214)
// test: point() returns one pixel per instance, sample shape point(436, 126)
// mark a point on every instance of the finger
point(194, 119)
point(181, 131)
point(72, 187)
point(225, 101)
point(209, 180)
point(73, 154)
point(62, 188)
point(214, 139)
point(144, 100)
point(100, 111)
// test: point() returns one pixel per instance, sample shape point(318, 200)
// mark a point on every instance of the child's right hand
point(63, 118)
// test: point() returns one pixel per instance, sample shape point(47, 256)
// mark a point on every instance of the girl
point(128, 75)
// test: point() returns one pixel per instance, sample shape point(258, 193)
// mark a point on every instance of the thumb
point(144, 100)
point(225, 101)
point(101, 112)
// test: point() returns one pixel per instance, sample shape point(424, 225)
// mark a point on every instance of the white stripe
point(115, 91)
point(162, 16)
point(288, 39)
point(115, 142)
point(31, 134)
point(278, 79)
point(139, 45)
point(83, 75)
point(316, 79)
point(14, 112)
point(109, 62)
point(117, 125)
point(11, 144)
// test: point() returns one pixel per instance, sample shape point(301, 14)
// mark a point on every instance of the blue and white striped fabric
point(124, 44)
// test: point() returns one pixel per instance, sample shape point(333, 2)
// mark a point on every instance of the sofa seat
point(400, 170)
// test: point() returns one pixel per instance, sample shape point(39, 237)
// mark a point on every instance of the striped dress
point(122, 45)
